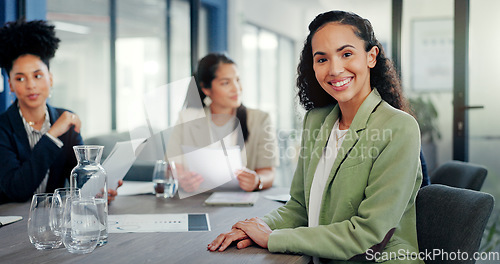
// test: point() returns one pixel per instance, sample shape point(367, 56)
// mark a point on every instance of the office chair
point(450, 219)
point(460, 174)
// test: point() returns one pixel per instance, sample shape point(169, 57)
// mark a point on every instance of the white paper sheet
point(212, 162)
point(119, 162)
point(232, 198)
point(135, 188)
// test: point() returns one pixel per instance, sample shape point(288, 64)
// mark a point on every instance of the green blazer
point(368, 204)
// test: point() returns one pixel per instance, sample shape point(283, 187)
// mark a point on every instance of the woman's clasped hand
point(244, 233)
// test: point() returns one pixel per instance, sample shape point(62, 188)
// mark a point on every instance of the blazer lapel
point(55, 169)
point(320, 143)
point(19, 131)
point(53, 114)
point(358, 125)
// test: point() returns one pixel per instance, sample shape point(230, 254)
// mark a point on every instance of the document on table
point(232, 198)
point(135, 188)
point(147, 223)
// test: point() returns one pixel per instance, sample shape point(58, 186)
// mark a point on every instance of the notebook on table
point(232, 199)
point(5, 220)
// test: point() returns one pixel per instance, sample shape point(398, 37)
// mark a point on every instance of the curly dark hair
point(19, 38)
point(383, 76)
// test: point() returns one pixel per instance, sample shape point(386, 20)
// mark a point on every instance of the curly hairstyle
point(19, 38)
point(383, 76)
point(205, 74)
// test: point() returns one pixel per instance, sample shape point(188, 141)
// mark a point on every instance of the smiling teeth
point(338, 84)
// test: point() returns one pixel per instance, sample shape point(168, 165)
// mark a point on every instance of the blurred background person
point(36, 139)
point(219, 87)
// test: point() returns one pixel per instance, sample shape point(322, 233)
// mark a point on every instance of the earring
point(207, 101)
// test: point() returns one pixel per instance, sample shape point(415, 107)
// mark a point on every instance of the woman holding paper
point(223, 114)
point(36, 139)
point(353, 192)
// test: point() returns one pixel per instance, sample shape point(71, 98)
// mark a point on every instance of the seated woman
point(36, 139)
point(222, 115)
point(353, 193)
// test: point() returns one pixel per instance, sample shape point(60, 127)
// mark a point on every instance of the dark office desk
point(182, 247)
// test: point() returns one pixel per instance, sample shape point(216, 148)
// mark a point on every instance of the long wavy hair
point(205, 74)
point(383, 76)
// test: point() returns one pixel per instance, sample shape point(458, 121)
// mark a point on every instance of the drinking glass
point(165, 179)
point(56, 213)
point(81, 225)
point(39, 231)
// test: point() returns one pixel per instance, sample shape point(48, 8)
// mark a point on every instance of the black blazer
point(22, 169)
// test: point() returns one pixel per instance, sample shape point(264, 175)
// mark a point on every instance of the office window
point(181, 67)
point(268, 80)
point(203, 32)
point(140, 54)
point(81, 69)
point(249, 66)
point(268, 74)
point(180, 54)
point(145, 60)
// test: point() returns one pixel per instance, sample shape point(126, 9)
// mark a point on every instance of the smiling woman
point(353, 191)
point(343, 70)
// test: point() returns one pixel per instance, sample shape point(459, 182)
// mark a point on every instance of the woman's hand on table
point(246, 233)
point(225, 239)
point(256, 229)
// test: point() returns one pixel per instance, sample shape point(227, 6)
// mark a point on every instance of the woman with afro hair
point(36, 139)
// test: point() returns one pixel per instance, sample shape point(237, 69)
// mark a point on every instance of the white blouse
point(323, 171)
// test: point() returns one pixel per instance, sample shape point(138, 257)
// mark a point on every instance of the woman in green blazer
point(353, 193)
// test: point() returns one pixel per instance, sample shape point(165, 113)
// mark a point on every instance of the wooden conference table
point(181, 247)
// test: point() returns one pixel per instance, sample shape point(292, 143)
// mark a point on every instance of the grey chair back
point(460, 174)
point(451, 220)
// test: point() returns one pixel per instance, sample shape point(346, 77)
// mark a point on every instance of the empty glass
point(39, 230)
point(81, 225)
point(56, 213)
point(165, 179)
